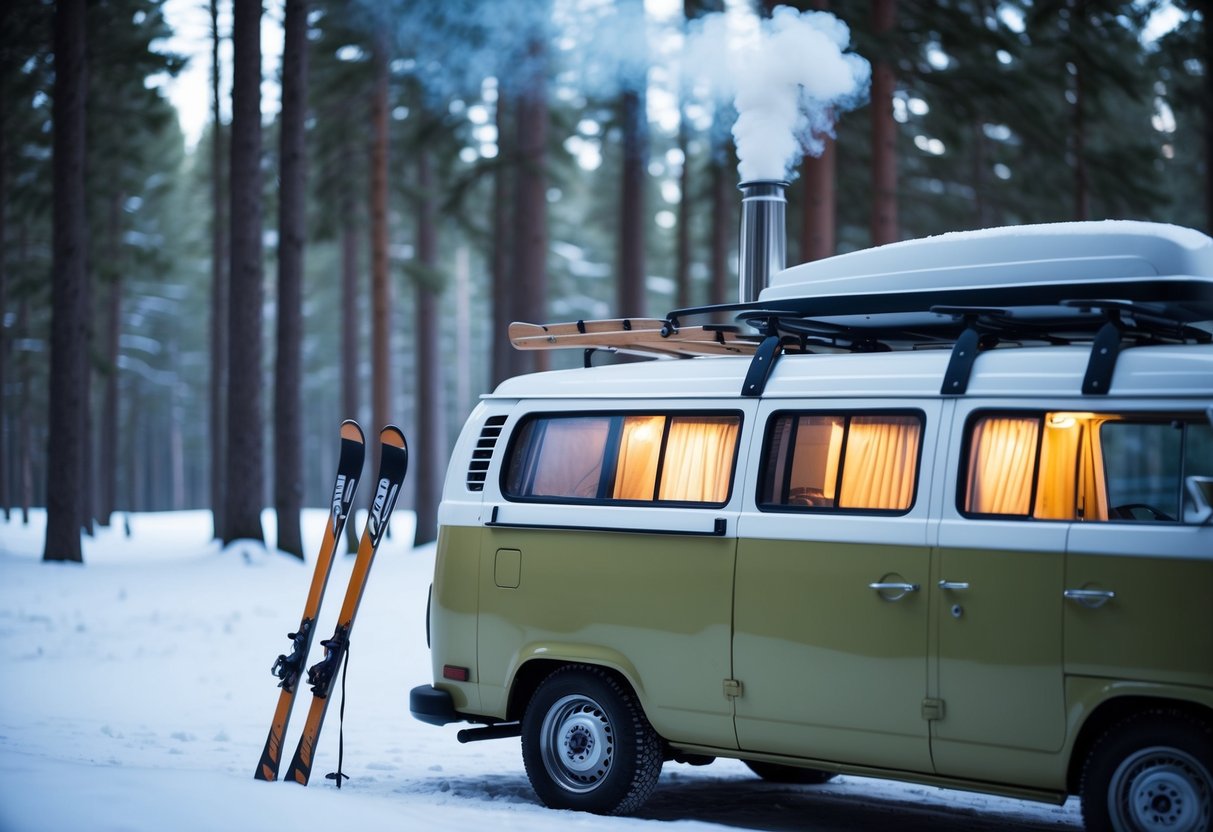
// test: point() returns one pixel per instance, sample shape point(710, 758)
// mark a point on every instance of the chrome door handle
point(893, 590)
point(1091, 598)
point(954, 585)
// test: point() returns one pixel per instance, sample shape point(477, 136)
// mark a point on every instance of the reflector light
point(458, 674)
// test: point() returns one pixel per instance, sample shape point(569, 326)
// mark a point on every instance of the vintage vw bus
point(937, 511)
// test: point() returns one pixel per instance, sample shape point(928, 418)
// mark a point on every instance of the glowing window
point(818, 461)
point(1084, 466)
point(667, 458)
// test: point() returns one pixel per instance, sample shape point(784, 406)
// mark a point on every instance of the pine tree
point(69, 322)
point(292, 232)
point(244, 478)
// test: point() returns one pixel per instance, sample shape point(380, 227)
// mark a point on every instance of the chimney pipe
point(763, 248)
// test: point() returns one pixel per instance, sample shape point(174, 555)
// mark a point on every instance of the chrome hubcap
point(577, 743)
point(1161, 789)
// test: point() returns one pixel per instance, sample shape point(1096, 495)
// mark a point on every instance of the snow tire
point(587, 744)
point(1152, 771)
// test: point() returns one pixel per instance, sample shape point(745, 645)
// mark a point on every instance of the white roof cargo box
point(1106, 253)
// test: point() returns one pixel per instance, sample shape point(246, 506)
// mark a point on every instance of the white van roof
point(1070, 253)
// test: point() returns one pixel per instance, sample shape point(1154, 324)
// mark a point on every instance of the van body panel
point(998, 657)
point(1159, 625)
point(454, 611)
point(619, 594)
point(832, 668)
point(1086, 694)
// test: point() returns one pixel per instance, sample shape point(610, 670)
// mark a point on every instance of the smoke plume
point(790, 76)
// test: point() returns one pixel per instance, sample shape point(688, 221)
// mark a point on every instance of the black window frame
point(1186, 418)
point(966, 453)
point(796, 414)
point(610, 457)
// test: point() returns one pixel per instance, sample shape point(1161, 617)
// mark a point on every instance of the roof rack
point(966, 320)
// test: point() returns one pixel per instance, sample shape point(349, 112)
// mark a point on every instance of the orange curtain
point(1001, 460)
point(699, 459)
point(639, 449)
point(1056, 490)
point(881, 460)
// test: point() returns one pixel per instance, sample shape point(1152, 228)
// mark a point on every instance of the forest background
point(185, 323)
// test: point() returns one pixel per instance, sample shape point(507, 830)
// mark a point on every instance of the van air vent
point(483, 452)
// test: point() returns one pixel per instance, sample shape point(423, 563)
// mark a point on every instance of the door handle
point(1090, 598)
point(893, 590)
point(954, 585)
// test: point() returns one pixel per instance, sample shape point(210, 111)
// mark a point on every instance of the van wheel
point(775, 773)
point(1153, 771)
point(587, 745)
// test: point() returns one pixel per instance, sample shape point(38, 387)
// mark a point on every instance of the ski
point(393, 464)
point(289, 668)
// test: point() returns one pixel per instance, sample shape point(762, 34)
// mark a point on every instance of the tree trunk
point(350, 330)
point(1206, 9)
point(631, 275)
point(88, 491)
point(69, 279)
point(818, 234)
point(430, 447)
point(503, 357)
point(6, 456)
point(219, 294)
point(25, 419)
point(682, 238)
point(1078, 146)
point(7, 471)
point(530, 216)
point(723, 230)
point(632, 219)
point(292, 230)
point(884, 132)
point(108, 455)
point(245, 481)
point(381, 287)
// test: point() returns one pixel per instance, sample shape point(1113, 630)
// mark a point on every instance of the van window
point(817, 461)
point(1083, 466)
point(651, 457)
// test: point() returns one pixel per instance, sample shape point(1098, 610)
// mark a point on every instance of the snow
point(136, 695)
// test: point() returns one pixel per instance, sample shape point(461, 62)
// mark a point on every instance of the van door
point(1138, 582)
point(996, 596)
point(830, 626)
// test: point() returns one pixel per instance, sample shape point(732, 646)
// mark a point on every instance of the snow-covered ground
point(135, 694)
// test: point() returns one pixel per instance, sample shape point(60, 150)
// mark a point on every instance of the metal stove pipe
point(763, 248)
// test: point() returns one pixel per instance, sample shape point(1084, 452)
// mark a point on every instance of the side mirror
point(1199, 506)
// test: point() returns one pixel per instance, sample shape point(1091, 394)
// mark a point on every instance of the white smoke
point(789, 76)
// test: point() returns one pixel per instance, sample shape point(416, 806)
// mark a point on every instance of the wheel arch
point(1115, 710)
point(532, 671)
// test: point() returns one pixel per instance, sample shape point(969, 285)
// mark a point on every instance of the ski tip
point(351, 431)
point(392, 435)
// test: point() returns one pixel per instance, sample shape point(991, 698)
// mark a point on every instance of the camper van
point(937, 511)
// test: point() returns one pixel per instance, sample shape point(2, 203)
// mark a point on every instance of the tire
point(587, 745)
point(1152, 771)
point(775, 773)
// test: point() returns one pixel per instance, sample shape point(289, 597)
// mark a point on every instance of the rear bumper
point(433, 706)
